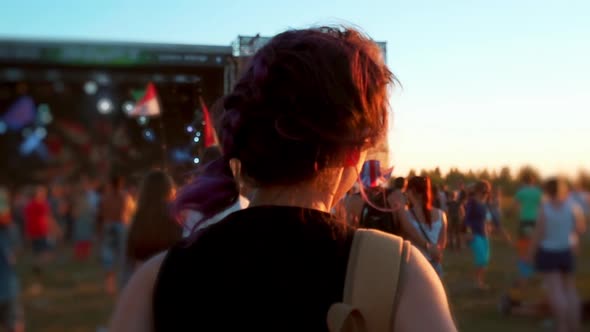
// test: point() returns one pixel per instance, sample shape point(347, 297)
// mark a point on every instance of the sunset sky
point(485, 83)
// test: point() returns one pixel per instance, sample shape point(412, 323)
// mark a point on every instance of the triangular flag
point(20, 114)
point(209, 135)
point(148, 105)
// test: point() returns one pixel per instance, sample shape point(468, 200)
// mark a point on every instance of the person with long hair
point(431, 222)
point(553, 242)
point(296, 126)
point(153, 228)
point(194, 220)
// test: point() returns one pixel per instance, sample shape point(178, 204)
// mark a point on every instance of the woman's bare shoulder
point(133, 311)
point(422, 294)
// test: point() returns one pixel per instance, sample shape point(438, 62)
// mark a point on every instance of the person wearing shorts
point(528, 199)
point(475, 221)
point(552, 251)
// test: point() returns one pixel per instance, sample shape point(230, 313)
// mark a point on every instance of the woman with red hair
point(296, 128)
point(429, 221)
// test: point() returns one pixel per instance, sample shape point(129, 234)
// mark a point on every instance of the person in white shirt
point(553, 244)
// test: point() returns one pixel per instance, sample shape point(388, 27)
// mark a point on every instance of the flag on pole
point(373, 175)
point(148, 105)
point(209, 134)
point(20, 114)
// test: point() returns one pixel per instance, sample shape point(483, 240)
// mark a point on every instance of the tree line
point(506, 179)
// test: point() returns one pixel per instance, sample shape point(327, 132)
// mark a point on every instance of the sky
point(484, 83)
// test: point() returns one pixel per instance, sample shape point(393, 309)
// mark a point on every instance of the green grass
point(73, 299)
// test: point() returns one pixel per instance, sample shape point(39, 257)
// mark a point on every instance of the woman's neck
point(308, 197)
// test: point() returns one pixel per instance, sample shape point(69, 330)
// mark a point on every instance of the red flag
point(148, 105)
point(209, 135)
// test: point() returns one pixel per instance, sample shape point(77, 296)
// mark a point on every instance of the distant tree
point(583, 180)
point(436, 176)
point(494, 177)
point(423, 172)
point(454, 177)
point(505, 175)
point(412, 173)
point(484, 174)
point(470, 176)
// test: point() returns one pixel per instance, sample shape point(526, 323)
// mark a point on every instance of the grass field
point(73, 299)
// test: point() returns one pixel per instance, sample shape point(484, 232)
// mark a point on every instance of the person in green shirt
point(528, 199)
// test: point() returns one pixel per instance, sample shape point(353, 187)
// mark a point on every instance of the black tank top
point(259, 269)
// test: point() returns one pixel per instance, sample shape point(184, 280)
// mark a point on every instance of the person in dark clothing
point(153, 229)
point(286, 251)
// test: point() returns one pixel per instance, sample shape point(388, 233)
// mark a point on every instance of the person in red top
point(37, 225)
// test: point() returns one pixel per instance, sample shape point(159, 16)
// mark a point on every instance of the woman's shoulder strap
point(373, 279)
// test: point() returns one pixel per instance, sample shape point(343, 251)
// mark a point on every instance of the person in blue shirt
point(475, 221)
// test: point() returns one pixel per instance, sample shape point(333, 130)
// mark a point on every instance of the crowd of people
point(274, 213)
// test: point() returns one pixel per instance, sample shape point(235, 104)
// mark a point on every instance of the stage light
point(128, 107)
point(190, 129)
point(104, 105)
point(142, 120)
point(149, 135)
point(90, 87)
point(198, 133)
point(2, 127)
point(41, 132)
point(103, 79)
point(196, 139)
point(44, 114)
point(196, 160)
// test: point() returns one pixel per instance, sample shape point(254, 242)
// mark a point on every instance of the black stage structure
point(87, 87)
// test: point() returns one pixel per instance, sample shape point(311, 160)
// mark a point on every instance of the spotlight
point(142, 120)
point(103, 79)
point(44, 114)
point(41, 132)
point(196, 160)
point(149, 135)
point(196, 139)
point(128, 107)
point(104, 105)
point(190, 129)
point(90, 87)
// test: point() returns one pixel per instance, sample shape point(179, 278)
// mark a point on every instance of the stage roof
point(106, 53)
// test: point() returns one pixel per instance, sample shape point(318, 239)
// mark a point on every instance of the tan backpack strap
point(371, 285)
point(345, 318)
